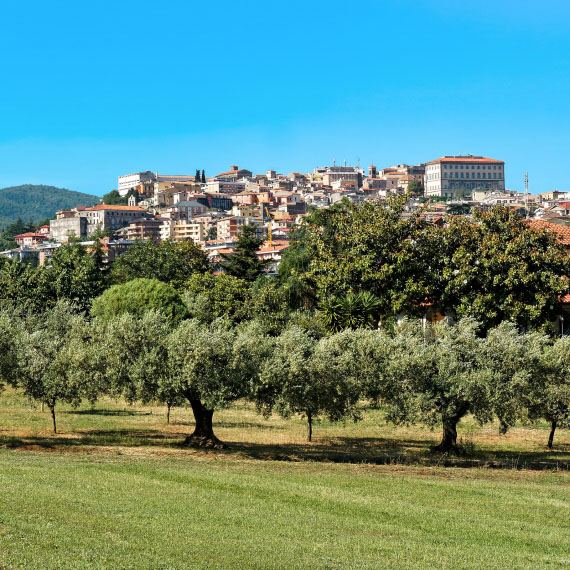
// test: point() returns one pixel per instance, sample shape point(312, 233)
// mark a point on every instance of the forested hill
point(38, 202)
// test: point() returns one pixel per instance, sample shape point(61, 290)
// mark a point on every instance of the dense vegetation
point(339, 326)
point(33, 203)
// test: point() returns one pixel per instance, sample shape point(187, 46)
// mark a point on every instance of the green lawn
point(115, 489)
point(69, 511)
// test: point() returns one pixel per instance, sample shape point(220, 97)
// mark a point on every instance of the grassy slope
point(117, 512)
point(114, 489)
point(38, 202)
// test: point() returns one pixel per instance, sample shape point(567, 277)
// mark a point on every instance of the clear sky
point(90, 90)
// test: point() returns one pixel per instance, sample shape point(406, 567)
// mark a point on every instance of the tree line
point(337, 330)
point(434, 374)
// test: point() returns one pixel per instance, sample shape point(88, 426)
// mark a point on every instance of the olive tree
point(9, 333)
point(548, 392)
point(435, 375)
point(213, 365)
point(311, 377)
point(514, 361)
point(47, 360)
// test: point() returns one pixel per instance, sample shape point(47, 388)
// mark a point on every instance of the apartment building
point(142, 229)
point(457, 177)
point(110, 218)
point(228, 229)
point(183, 230)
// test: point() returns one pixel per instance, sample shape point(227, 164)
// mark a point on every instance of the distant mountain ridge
point(37, 202)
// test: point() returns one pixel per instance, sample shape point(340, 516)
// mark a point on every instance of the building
point(128, 182)
point(111, 218)
point(234, 174)
point(144, 182)
point(142, 229)
point(457, 177)
point(330, 174)
point(68, 224)
point(215, 186)
point(30, 239)
point(228, 229)
point(183, 230)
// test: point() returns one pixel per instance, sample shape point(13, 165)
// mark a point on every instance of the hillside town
point(210, 211)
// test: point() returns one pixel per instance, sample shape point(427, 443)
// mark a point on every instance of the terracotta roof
point(273, 248)
point(30, 234)
point(99, 207)
point(467, 158)
point(562, 231)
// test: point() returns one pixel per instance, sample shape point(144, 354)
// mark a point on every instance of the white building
point(128, 182)
point(458, 177)
point(139, 180)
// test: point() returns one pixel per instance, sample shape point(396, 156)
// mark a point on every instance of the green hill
point(38, 202)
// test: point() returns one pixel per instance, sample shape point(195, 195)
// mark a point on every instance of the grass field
point(116, 490)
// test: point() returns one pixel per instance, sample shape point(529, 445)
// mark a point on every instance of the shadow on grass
point(390, 452)
point(103, 412)
point(375, 451)
point(236, 424)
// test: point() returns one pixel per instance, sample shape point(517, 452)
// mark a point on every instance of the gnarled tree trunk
point(449, 424)
point(203, 435)
point(553, 426)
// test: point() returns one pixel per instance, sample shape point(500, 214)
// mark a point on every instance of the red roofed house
point(234, 174)
point(111, 218)
point(562, 231)
point(30, 239)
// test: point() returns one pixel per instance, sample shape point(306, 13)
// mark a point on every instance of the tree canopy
point(168, 261)
point(243, 262)
point(138, 296)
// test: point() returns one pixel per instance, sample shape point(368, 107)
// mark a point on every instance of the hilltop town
point(211, 210)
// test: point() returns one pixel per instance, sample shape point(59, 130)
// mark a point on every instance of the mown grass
point(102, 511)
point(115, 489)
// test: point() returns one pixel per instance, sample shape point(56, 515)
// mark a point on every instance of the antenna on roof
point(526, 193)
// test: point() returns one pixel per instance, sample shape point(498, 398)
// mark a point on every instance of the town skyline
point(289, 89)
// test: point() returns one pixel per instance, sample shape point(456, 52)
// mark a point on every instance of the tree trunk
point(52, 410)
point(553, 426)
point(309, 427)
point(168, 406)
point(203, 435)
point(449, 436)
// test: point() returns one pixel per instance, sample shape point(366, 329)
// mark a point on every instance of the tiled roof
point(467, 158)
point(562, 231)
point(117, 208)
point(30, 234)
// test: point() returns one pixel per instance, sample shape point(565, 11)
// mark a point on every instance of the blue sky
point(90, 90)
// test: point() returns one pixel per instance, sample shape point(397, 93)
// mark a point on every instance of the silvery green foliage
point(10, 331)
point(514, 361)
point(136, 358)
point(214, 362)
point(47, 360)
point(548, 395)
point(434, 373)
point(312, 377)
